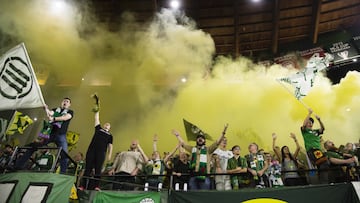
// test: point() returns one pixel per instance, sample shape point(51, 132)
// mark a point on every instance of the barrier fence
point(15, 186)
point(166, 182)
point(311, 176)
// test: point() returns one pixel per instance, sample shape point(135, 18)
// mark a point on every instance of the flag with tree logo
point(192, 131)
point(303, 81)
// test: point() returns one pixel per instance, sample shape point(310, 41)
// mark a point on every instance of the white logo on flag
point(147, 200)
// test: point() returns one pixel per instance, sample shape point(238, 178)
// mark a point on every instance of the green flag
point(192, 131)
point(303, 80)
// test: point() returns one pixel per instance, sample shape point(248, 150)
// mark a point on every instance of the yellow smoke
point(137, 71)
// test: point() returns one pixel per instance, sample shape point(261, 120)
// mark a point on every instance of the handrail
point(17, 149)
point(171, 176)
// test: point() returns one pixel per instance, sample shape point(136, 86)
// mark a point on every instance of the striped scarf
point(202, 167)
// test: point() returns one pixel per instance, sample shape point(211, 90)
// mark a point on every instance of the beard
point(200, 144)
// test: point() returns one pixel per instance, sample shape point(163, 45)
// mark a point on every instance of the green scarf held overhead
point(96, 107)
point(202, 161)
point(46, 130)
point(48, 125)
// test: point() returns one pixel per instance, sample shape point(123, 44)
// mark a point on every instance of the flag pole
point(5, 138)
point(287, 89)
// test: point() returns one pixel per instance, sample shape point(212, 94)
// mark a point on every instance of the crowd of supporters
point(215, 166)
point(230, 168)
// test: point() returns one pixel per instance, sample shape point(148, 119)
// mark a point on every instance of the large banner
point(308, 53)
point(336, 193)
point(35, 187)
point(19, 88)
point(343, 52)
point(356, 41)
point(289, 61)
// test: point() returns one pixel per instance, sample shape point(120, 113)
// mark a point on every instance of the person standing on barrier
point(95, 156)
point(312, 141)
point(59, 119)
point(200, 160)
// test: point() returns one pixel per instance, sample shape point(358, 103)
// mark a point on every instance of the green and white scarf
point(202, 167)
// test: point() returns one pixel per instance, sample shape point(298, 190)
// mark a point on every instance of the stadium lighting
point(63, 9)
point(183, 80)
point(58, 6)
point(174, 4)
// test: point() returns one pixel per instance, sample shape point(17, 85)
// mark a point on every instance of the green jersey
point(241, 179)
point(311, 138)
point(334, 154)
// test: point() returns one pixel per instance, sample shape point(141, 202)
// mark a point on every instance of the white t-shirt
point(224, 156)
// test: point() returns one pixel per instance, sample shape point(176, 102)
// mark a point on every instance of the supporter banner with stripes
point(35, 187)
point(19, 88)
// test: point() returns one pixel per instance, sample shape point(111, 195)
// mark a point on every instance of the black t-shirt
point(100, 140)
point(64, 124)
point(180, 167)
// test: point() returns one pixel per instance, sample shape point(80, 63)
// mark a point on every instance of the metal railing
point(141, 184)
point(10, 166)
point(170, 186)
